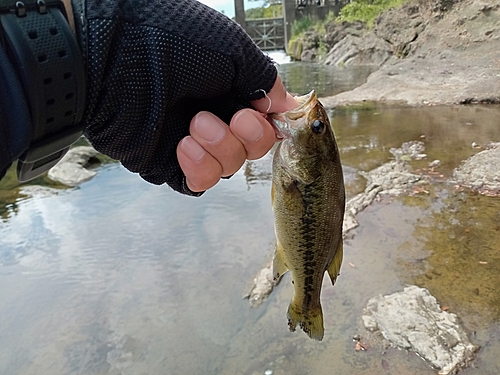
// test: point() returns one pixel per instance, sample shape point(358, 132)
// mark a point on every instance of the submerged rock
point(71, 170)
point(262, 286)
point(391, 178)
point(413, 320)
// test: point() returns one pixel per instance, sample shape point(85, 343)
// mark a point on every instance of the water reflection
point(94, 274)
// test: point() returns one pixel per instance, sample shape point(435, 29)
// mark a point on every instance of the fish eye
point(318, 127)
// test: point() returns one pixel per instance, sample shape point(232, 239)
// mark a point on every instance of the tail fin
point(311, 322)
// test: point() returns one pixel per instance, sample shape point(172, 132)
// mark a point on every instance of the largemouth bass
point(308, 203)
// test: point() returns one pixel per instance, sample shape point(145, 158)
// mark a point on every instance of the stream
point(118, 276)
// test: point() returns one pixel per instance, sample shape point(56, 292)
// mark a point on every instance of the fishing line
point(268, 98)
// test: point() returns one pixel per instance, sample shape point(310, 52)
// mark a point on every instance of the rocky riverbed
point(429, 52)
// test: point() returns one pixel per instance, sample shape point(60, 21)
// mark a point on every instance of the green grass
point(367, 10)
point(361, 10)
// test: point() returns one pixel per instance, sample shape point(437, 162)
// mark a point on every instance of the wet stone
point(480, 172)
point(72, 169)
point(262, 286)
point(413, 320)
point(391, 178)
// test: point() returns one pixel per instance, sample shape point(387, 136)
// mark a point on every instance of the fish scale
point(308, 203)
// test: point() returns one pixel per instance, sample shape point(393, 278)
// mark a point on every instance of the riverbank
point(428, 55)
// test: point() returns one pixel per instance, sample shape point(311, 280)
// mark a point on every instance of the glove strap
point(47, 60)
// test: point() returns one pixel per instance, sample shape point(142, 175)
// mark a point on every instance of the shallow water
point(301, 78)
point(119, 276)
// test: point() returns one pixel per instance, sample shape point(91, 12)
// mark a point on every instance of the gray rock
point(400, 27)
point(71, 171)
point(262, 286)
point(413, 320)
point(308, 55)
point(359, 50)
point(335, 32)
point(409, 150)
point(481, 171)
point(392, 178)
point(449, 62)
point(310, 40)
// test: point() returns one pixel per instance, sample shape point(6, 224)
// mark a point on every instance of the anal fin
point(334, 267)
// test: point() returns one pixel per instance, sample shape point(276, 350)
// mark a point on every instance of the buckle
point(20, 6)
point(43, 155)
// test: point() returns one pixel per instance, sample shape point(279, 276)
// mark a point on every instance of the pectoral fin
point(334, 268)
point(279, 266)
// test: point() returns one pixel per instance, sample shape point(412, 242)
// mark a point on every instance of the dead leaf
point(385, 365)
point(360, 346)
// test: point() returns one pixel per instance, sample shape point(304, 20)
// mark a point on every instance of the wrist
point(69, 13)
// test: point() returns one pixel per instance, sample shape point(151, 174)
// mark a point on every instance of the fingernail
point(248, 127)
point(192, 149)
point(209, 128)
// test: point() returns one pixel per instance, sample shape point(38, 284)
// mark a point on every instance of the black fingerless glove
point(151, 66)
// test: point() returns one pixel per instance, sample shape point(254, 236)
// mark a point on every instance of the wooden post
point(288, 18)
point(239, 13)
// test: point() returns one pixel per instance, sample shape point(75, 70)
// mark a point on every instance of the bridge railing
point(267, 33)
point(274, 33)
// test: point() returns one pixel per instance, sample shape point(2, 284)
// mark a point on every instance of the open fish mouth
point(287, 122)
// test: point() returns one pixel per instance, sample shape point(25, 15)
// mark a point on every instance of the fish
point(308, 200)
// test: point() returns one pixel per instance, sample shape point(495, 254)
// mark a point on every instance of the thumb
point(277, 100)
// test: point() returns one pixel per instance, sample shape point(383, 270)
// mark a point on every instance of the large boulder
point(413, 320)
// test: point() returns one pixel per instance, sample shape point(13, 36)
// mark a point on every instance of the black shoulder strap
point(46, 57)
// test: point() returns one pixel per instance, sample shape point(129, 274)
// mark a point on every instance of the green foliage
point(271, 11)
point(367, 10)
point(330, 17)
point(307, 23)
point(302, 25)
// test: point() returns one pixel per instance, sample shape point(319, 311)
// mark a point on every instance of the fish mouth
point(287, 122)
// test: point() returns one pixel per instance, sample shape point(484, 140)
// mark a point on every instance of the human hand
point(165, 76)
point(214, 150)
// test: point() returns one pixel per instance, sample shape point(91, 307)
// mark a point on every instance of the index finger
point(277, 100)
